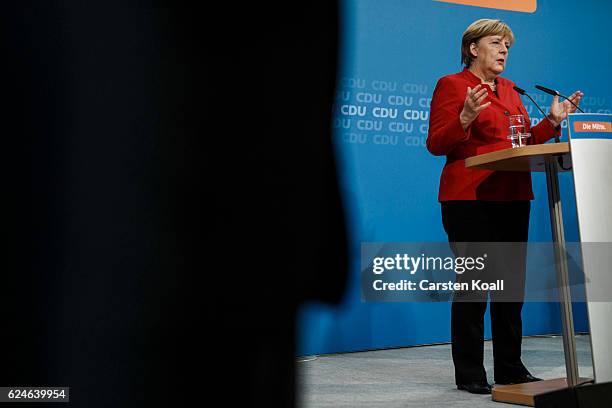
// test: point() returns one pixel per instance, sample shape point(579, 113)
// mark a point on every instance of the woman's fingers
point(468, 96)
point(475, 96)
point(472, 91)
point(576, 97)
point(480, 97)
point(483, 107)
point(578, 94)
point(479, 94)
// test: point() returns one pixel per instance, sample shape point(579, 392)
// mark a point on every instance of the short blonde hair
point(479, 29)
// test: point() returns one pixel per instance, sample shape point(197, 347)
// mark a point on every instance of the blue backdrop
point(393, 53)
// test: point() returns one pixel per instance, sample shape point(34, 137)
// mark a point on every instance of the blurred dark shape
point(174, 195)
point(582, 396)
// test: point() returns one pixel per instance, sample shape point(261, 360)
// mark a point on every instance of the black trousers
point(487, 221)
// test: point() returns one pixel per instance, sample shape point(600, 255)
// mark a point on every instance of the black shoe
point(519, 380)
point(475, 387)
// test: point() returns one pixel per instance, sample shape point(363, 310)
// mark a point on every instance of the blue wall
point(394, 52)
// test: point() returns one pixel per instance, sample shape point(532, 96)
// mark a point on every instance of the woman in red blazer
point(469, 116)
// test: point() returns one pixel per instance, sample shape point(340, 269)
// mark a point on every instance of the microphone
point(556, 93)
point(522, 92)
point(547, 90)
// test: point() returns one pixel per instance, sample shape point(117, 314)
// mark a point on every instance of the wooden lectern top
point(526, 158)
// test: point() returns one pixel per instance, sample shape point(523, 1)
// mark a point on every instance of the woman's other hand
point(559, 110)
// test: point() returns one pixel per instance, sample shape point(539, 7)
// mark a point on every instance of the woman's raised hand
point(473, 105)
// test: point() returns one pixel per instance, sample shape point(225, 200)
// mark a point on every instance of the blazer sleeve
point(445, 130)
point(544, 131)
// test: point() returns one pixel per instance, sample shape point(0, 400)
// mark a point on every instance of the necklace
point(492, 84)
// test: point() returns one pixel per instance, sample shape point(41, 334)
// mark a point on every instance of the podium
point(588, 154)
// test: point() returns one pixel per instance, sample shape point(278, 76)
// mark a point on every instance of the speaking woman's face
point(491, 54)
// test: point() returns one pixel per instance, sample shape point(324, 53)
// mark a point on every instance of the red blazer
point(486, 133)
